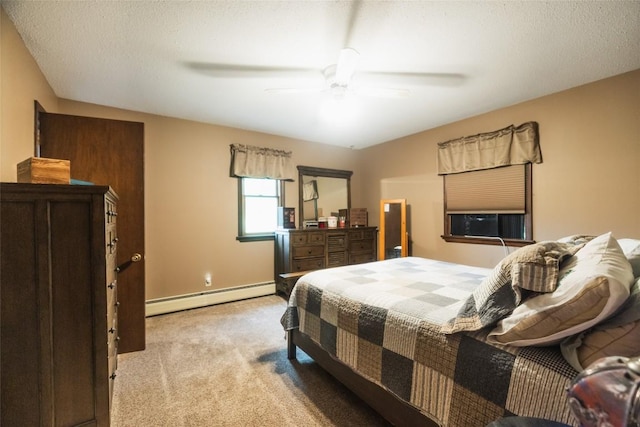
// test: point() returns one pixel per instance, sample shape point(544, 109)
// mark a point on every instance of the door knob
point(136, 257)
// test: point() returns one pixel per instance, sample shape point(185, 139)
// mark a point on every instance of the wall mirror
point(322, 192)
point(394, 240)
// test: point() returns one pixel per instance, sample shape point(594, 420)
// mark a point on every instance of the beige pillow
point(631, 249)
point(622, 341)
point(616, 336)
point(533, 268)
point(593, 284)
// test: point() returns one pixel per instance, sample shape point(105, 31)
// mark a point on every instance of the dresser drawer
point(307, 251)
point(308, 264)
point(112, 298)
point(113, 367)
point(112, 335)
point(112, 240)
point(307, 238)
point(336, 259)
point(361, 257)
point(361, 245)
point(111, 274)
point(110, 211)
point(336, 242)
point(361, 234)
point(113, 362)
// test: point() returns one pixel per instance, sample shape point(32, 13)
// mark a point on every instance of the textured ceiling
point(213, 61)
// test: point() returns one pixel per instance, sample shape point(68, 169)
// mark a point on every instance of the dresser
point(58, 297)
point(301, 250)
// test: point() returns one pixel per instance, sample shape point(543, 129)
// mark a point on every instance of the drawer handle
point(136, 257)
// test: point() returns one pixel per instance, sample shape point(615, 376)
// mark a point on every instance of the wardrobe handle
point(136, 257)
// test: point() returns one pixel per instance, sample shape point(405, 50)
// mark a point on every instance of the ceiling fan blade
point(285, 90)
point(419, 79)
point(382, 92)
point(346, 66)
point(244, 71)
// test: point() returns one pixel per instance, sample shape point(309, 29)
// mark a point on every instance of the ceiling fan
point(340, 79)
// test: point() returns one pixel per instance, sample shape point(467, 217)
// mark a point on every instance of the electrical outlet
point(207, 279)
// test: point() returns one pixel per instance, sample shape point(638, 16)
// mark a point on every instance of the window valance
point(509, 146)
point(310, 191)
point(259, 162)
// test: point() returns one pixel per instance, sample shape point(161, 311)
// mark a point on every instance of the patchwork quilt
point(384, 320)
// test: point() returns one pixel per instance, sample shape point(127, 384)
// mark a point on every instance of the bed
point(409, 336)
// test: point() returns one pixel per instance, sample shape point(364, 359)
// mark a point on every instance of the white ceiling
point(161, 57)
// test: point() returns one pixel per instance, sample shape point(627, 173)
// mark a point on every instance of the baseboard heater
point(203, 299)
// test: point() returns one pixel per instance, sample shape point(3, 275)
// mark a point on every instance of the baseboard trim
point(158, 306)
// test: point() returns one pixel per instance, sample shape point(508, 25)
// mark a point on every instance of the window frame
point(486, 240)
point(255, 237)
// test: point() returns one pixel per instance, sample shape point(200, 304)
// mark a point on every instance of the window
point(488, 206)
point(259, 200)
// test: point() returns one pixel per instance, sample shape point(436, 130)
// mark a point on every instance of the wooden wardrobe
point(58, 296)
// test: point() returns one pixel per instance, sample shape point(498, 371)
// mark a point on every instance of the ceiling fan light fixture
point(339, 112)
point(346, 67)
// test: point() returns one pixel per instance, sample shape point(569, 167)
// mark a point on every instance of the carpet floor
point(226, 365)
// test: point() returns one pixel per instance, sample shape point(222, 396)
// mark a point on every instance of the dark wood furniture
point(302, 250)
point(58, 296)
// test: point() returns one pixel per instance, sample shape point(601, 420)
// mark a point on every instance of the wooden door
point(109, 152)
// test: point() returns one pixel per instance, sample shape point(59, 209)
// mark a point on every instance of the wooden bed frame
point(392, 408)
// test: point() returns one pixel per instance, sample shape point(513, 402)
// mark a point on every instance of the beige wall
point(21, 82)
point(589, 181)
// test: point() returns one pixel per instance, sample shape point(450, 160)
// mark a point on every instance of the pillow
point(617, 336)
point(534, 268)
point(631, 249)
point(593, 285)
point(576, 239)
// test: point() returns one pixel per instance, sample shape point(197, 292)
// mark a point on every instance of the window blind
point(499, 190)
